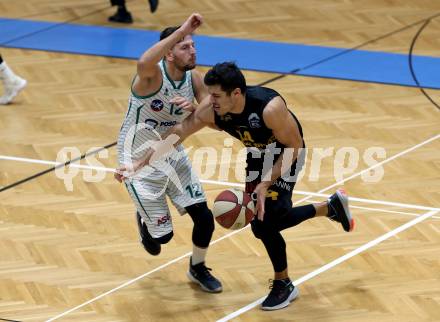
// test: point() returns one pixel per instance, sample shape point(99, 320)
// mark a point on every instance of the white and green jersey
point(149, 117)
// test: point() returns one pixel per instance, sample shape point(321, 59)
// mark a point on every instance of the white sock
point(198, 255)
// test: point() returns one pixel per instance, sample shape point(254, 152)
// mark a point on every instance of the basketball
point(233, 209)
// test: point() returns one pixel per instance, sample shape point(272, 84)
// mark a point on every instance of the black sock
point(296, 215)
point(1, 59)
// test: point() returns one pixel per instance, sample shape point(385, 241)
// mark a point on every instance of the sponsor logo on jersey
point(151, 124)
point(283, 185)
point(156, 105)
point(163, 220)
point(254, 121)
point(166, 92)
point(168, 123)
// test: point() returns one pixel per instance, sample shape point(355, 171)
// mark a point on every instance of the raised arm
point(147, 69)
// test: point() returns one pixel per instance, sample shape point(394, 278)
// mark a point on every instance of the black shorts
point(279, 194)
point(278, 197)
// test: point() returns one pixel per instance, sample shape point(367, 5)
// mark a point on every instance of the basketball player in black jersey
point(260, 119)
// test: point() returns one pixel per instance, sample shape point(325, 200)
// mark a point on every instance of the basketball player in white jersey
point(165, 76)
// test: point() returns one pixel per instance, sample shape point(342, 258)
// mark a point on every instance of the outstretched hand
point(161, 148)
point(126, 171)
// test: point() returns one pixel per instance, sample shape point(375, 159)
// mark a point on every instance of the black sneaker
point(200, 274)
point(121, 16)
point(153, 5)
point(150, 245)
point(282, 293)
point(338, 210)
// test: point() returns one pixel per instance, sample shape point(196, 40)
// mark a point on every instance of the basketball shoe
point(338, 210)
point(201, 275)
point(150, 245)
point(281, 294)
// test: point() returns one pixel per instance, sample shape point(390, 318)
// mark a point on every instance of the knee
point(263, 229)
point(203, 224)
point(165, 238)
point(201, 216)
point(206, 221)
point(257, 227)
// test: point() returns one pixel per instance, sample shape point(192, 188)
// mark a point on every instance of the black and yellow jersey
point(249, 127)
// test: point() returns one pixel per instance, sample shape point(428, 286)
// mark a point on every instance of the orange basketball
point(233, 209)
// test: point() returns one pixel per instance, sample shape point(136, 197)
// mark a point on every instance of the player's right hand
point(192, 23)
point(127, 171)
point(119, 174)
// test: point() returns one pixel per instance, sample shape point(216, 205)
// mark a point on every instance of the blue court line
point(357, 65)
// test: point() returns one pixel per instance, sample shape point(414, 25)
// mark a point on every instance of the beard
point(187, 67)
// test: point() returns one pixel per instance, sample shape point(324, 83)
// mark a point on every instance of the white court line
point(314, 194)
point(224, 183)
point(73, 165)
point(232, 233)
point(119, 287)
point(416, 220)
point(139, 278)
point(336, 262)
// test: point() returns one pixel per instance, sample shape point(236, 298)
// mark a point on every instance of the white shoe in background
point(11, 89)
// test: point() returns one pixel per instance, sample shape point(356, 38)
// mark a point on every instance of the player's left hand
point(183, 103)
point(260, 191)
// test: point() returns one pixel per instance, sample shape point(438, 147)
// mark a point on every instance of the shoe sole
point(292, 297)
point(343, 198)
point(193, 279)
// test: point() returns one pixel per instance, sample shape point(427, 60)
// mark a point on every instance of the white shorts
point(149, 195)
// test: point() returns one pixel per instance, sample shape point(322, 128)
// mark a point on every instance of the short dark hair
point(227, 75)
point(168, 31)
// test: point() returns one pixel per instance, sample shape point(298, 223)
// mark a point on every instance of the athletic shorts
point(149, 194)
point(279, 194)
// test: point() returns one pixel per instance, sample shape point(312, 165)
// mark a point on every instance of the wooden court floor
point(75, 256)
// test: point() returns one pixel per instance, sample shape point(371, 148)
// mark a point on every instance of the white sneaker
point(12, 89)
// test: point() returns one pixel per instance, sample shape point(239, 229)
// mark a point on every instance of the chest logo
point(156, 105)
point(254, 121)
